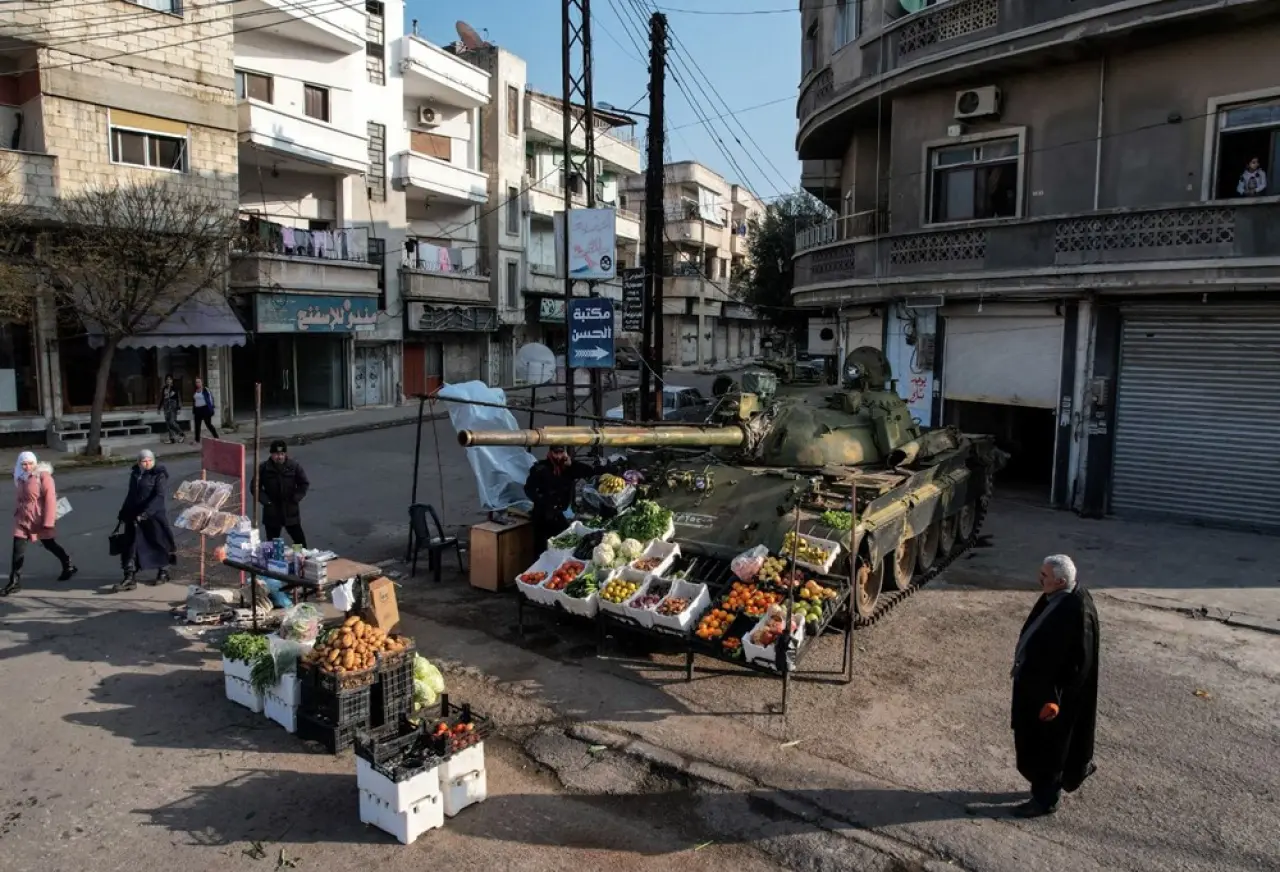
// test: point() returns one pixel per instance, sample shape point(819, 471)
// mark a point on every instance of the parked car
point(683, 404)
point(626, 357)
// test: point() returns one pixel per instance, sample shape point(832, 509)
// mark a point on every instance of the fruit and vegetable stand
point(754, 609)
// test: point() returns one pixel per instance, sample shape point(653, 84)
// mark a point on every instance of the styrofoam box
point(699, 598)
point(577, 528)
point(399, 796)
point(587, 606)
point(549, 562)
point(237, 669)
point(754, 653)
point(240, 691)
point(621, 608)
point(425, 815)
point(280, 702)
point(463, 781)
point(666, 551)
point(644, 617)
point(832, 548)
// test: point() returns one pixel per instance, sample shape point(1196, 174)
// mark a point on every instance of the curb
point(1240, 620)
point(782, 800)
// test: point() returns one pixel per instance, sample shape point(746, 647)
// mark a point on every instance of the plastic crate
point(343, 708)
point(281, 701)
point(392, 696)
point(335, 739)
point(463, 781)
point(390, 661)
point(331, 682)
point(241, 692)
point(699, 600)
point(400, 795)
point(406, 826)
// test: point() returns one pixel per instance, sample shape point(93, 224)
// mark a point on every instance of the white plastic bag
point(500, 471)
point(747, 565)
point(344, 596)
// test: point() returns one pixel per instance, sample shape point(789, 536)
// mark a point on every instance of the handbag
point(117, 542)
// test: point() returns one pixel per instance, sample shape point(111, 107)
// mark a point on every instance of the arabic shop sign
point(633, 300)
point(551, 309)
point(592, 243)
point(591, 333)
point(304, 313)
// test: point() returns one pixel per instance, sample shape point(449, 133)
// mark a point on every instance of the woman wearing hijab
point(145, 517)
point(34, 517)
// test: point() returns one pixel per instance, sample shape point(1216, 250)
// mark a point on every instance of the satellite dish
point(535, 364)
point(468, 35)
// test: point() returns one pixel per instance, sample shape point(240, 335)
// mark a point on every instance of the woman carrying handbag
point(35, 516)
point(147, 539)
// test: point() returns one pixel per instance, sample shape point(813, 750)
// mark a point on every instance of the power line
point(790, 98)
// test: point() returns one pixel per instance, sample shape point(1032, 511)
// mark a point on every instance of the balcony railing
point(260, 235)
point(855, 226)
point(1201, 231)
point(816, 93)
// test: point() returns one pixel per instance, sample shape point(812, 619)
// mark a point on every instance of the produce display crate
point(765, 657)
point(342, 708)
point(423, 816)
point(577, 528)
point(832, 547)
point(642, 617)
point(331, 682)
point(741, 625)
point(399, 754)
point(699, 600)
point(389, 661)
point(549, 562)
point(587, 606)
point(618, 610)
point(666, 552)
point(313, 728)
point(392, 696)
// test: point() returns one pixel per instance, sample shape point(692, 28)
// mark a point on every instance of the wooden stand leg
point(688, 665)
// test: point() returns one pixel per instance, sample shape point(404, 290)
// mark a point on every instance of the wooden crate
point(500, 552)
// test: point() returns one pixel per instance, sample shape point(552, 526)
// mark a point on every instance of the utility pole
point(654, 224)
point(575, 34)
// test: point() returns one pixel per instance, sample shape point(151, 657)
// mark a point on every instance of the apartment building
point(522, 135)
point(91, 95)
point(707, 221)
point(1072, 249)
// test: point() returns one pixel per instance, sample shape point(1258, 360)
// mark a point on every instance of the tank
point(770, 455)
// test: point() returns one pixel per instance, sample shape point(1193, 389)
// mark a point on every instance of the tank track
point(888, 602)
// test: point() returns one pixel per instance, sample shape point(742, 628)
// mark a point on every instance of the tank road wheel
point(927, 551)
point(870, 580)
point(947, 535)
point(966, 524)
point(904, 564)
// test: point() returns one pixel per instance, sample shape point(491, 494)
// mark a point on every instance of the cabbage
point(428, 683)
point(604, 555)
point(630, 550)
point(612, 539)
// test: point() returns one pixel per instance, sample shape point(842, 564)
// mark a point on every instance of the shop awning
point(199, 323)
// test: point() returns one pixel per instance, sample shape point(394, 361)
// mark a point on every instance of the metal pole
point(417, 460)
point(257, 491)
point(655, 220)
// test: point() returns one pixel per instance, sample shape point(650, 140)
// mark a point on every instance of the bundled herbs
point(246, 647)
point(646, 521)
point(837, 520)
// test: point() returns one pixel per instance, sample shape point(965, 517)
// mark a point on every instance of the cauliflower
point(630, 550)
point(612, 539)
point(604, 555)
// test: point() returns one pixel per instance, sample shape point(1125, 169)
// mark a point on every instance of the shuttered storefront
point(1009, 357)
point(1198, 414)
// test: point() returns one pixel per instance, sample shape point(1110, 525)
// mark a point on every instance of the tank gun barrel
point(611, 437)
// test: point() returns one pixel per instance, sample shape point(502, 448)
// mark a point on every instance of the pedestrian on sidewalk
point(284, 484)
point(202, 410)
point(34, 518)
point(171, 404)
point(144, 514)
point(1055, 689)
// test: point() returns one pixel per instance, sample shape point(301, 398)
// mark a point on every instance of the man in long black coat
point(1055, 689)
point(550, 487)
point(284, 484)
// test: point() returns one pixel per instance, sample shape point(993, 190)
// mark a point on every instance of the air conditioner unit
point(978, 103)
point(427, 117)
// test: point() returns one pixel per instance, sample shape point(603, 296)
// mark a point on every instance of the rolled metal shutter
point(1198, 415)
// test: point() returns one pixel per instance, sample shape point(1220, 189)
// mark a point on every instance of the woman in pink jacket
point(34, 517)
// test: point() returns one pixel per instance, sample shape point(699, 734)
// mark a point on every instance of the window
point(18, 367)
point(173, 7)
point(846, 30)
point(531, 167)
point(377, 178)
point(431, 144)
point(809, 53)
point(513, 211)
point(513, 110)
point(513, 284)
point(975, 181)
point(1248, 149)
point(254, 86)
point(315, 102)
point(154, 150)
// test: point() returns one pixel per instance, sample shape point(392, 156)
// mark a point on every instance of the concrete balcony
point(614, 147)
point(545, 200)
point(429, 286)
point(28, 181)
point(339, 29)
point(739, 245)
point(542, 279)
point(278, 271)
point(431, 73)
point(628, 225)
point(1214, 245)
point(449, 182)
point(955, 43)
point(307, 141)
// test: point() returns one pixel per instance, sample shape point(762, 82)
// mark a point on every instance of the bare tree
point(127, 256)
point(17, 294)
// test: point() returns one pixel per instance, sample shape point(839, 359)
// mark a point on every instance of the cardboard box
point(500, 552)
point(383, 611)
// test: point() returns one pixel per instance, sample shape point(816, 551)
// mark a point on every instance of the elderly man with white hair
point(1055, 689)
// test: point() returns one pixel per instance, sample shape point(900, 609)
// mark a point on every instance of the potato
point(351, 621)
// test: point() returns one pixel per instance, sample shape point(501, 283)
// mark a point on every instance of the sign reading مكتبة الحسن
point(591, 333)
point(303, 313)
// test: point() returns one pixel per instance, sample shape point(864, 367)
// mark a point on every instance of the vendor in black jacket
point(284, 484)
point(550, 486)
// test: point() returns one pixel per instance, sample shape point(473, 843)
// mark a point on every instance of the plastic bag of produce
point(616, 500)
point(301, 623)
point(285, 654)
point(747, 564)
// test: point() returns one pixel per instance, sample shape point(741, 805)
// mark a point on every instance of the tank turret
point(918, 496)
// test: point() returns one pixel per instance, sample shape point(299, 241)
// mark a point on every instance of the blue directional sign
point(591, 333)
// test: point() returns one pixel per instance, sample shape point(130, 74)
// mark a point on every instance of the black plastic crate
point(389, 661)
point(313, 728)
point(313, 676)
point(399, 754)
point(344, 708)
point(392, 696)
point(445, 746)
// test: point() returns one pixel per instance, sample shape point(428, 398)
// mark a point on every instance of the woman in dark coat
point(145, 517)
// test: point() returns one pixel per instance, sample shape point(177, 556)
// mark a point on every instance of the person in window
point(550, 487)
point(170, 403)
point(202, 410)
point(1253, 181)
